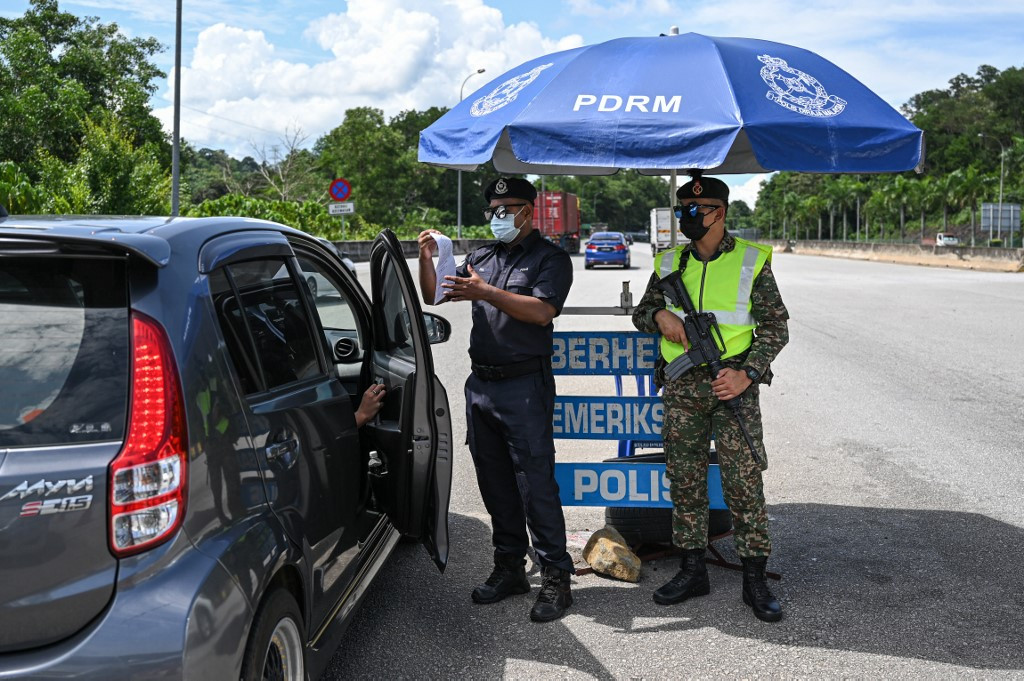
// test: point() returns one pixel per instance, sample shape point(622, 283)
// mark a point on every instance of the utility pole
point(176, 140)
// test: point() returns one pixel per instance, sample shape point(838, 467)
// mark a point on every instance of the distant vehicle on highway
point(661, 231)
point(946, 240)
point(607, 248)
point(184, 492)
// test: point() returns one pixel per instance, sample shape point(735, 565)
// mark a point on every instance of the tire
point(640, 525)
point(588, 265)
point(277, 642)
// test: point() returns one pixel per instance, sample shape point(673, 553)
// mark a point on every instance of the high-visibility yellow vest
point(721, 286)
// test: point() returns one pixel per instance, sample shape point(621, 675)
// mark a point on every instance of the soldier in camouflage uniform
point(695, 404)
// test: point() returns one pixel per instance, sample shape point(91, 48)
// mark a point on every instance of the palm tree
point(811, 207)
point(860, 192)
point(836, 199)
point(897, 194)
point(923, 197)
point(946, 190)
point(790, 206)
point(877, 208)
point(846, 199)
point(971, 187)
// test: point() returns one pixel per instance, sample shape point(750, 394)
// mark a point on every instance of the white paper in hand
point(445, 264)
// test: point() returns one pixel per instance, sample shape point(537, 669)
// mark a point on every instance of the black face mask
point(691, 221)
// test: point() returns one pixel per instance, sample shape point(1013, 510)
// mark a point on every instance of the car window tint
point(65, 358)
point(396, 315)
point(269, 335)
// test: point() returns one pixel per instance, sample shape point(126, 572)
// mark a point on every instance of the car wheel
point(588, 265)
point(640, 525)
point(277, 641)
point(311, 283)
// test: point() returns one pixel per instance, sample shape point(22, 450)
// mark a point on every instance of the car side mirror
point(438, 328)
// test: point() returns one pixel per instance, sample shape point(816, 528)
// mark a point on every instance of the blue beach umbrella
point(675, 103)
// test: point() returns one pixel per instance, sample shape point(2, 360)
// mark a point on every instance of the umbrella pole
point(671, 202)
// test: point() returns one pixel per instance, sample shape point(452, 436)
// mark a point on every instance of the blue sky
point(255, 71)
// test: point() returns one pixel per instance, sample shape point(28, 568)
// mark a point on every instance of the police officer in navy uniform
point(517, 286)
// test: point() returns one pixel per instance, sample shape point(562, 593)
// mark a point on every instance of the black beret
point(704, 188)
point(510, 188)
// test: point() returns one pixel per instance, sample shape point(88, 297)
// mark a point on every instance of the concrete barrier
point(978, 258)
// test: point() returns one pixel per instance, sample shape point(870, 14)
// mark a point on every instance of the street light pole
point(458, 210)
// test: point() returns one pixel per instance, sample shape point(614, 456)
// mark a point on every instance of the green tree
point(56, 70)
point(970, 186)
point(923, 197)
point(110, 175)
point(17, 194)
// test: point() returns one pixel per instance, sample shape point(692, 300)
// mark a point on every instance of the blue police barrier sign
point(624, 484)
point(604, 353)
point(608, 418)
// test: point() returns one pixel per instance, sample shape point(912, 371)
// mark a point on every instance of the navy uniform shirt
point(533, 267)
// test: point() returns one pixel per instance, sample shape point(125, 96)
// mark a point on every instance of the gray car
point(184, 492)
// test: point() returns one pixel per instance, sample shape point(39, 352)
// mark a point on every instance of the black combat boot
point(554, 597)
point(755, 590)
point(508, 578)
point(691, 580)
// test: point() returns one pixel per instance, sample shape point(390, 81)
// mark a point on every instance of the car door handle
point(279, 450)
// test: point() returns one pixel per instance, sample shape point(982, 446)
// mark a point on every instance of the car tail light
point(147, 478)
point(620, 247)
point(591, 247)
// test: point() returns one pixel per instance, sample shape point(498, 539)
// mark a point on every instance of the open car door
point(413, 432)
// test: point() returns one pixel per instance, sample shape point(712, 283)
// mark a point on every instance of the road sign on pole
point(343, 208)
point(340, 189)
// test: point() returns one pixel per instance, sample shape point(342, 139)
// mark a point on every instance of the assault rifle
point(705, 338)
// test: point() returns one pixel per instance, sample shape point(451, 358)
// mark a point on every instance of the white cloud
point(377, 53)
point(744, 187)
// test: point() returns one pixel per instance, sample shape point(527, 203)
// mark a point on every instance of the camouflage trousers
point(692, 415)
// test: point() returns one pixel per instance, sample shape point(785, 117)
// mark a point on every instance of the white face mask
point(504, 229)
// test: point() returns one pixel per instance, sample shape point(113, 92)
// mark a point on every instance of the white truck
point(661, 230)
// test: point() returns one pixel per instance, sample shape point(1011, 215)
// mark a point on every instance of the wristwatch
point(753, 374)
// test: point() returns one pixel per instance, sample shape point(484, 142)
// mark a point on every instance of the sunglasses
point(501, 211)
point(693, 210)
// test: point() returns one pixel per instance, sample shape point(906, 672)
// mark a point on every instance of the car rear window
point(606, 237)
point(64, 358)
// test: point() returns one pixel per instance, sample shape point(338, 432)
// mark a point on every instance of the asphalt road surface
point(894, 434)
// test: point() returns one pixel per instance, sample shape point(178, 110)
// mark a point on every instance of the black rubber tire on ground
point(644, 525)
point(587, 266)
point(278, 610)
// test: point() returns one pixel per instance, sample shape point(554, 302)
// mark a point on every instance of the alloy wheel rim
point(283, 661)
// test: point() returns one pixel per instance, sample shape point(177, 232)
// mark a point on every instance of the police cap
point(704, 188)
point(510, 188)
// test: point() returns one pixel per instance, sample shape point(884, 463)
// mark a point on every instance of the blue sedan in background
point(606, 248)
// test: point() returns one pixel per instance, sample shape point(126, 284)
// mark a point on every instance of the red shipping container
point(556, 215)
